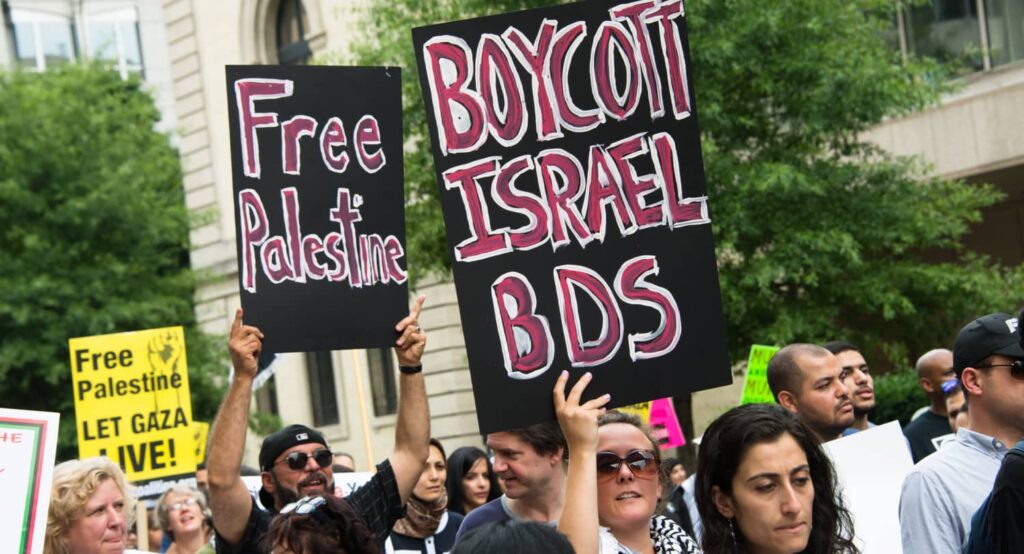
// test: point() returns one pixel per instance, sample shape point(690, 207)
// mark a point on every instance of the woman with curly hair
point(765, 485)
point(90, 508)
point(471, 480)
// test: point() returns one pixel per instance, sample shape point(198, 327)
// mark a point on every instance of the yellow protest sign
point(132, 401)
point(200, 434)
point(755, 388)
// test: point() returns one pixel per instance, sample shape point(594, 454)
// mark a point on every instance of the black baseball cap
point(276, 443)
point(983, 337)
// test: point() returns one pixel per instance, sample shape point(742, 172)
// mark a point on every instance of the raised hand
point(412, 340)
point(245, 344)
point(578, 422)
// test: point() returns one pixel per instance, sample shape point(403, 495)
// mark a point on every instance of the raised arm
point(579, 519)
point(229, 499)
point(412, 432)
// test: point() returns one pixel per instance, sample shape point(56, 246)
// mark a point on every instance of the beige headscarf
point(421, 518)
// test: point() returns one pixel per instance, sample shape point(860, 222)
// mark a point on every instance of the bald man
point(933, 368)
point(807, 380)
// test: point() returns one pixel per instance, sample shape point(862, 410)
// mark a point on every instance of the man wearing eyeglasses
point(944, 490)
point(296, 461)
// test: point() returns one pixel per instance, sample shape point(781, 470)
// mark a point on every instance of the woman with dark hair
point(319, 525)
point(428, 526)
point(765, 485)
point(614, 480)
point(471, 480)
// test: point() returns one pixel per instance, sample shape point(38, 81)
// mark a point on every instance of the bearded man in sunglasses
point(296, 461)
point(944, 490)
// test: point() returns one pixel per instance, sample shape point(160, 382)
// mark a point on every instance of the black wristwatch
point(410, 369)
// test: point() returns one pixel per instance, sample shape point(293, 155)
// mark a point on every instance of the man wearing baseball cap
point(296, 461)
point(944, 490)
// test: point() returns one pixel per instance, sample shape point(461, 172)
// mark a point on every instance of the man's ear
point(788, 401)
point(970, 382)
point(558, 457)
point(268, 481)
point(722, 502)
point(926, 384)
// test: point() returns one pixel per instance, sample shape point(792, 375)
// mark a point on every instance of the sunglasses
point(297, 460)
point(640, 462)
point(1016, 368)
point(305, 506)
point(179, 505)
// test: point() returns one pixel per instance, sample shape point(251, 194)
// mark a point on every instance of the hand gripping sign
point(319, 204)
point(568, 158)
point(132, 401)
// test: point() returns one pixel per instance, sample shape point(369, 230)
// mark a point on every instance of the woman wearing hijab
point(428, 526)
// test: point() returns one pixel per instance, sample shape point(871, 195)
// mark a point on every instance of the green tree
point(819, 234)
point(94, 234)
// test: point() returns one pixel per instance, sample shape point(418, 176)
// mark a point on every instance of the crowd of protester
point(595, 480)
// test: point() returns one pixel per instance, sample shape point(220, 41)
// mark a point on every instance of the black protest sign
point(568, 158)
point(319, 204)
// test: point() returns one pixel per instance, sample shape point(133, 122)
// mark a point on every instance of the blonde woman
point(90, 508)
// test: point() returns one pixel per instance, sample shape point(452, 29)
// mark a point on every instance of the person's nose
point(311, 465)
point(115, 518)
point(842, 391)
point(499, 465)
point(790, 502)
point(860, 378)
point(624, 475)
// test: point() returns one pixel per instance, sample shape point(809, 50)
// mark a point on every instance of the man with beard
point(531, 463)
point(297, 462)
point(806, 380)
point(856, 375)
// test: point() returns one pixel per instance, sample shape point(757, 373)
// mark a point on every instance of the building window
point(292, 22)
point(113, 37)
point(947, 30)
point(382, 381)
point(972, 35)
point(322, 396)
point(42, 40)
point(1005, 23)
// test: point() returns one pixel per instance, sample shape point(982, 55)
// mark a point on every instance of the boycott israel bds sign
point(568, 158)
point(319, 204)
point(132, 401)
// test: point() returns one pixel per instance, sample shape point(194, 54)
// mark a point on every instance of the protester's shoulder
point(492, 511)
point(671, 537)
point(455, 519)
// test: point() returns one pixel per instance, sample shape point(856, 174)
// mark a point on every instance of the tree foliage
point(819, 235)
point(94, 234)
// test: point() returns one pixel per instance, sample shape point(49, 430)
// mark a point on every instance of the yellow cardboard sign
point(200, 434)
point(755, 388)
point(132, 401)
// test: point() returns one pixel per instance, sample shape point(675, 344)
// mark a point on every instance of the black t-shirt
point(995, 527)
point(377, 502)
point(922, 430)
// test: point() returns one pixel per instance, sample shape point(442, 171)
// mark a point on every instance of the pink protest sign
point(665, 424)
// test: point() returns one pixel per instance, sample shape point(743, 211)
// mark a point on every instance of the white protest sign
point(28, 445)
point(871, 466)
